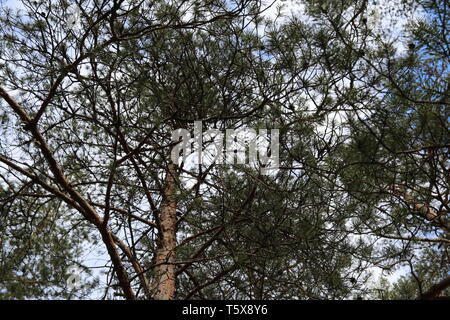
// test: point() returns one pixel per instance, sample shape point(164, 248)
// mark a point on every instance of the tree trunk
point(435, 290)
point(164, 273)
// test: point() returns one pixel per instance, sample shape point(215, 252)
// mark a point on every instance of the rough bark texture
point(435, 290)
point(423, 209)
point(164, 274)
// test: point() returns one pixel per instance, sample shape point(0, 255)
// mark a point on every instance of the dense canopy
point(92, 206)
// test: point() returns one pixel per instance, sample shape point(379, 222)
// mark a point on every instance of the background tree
point(395, 166)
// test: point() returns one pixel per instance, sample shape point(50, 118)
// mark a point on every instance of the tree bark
point(426, 211)
point(435, 290)
point(163, 285)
